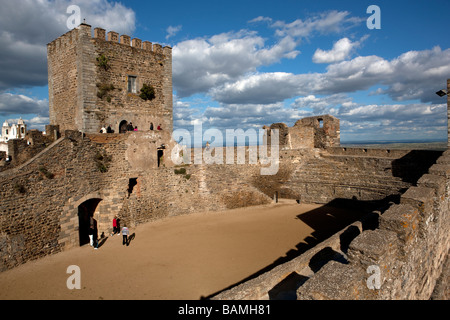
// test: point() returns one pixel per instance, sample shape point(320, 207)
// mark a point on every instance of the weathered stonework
point(408, 243)
point(311, 132)
point(87, 96)
point(67, 176)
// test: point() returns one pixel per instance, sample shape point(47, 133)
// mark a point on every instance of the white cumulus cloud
point(26, 26)
point(341, 50)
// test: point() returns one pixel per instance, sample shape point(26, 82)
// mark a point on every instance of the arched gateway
point(85, 213)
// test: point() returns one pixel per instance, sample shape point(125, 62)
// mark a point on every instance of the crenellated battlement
point(72, 37)
point(126, 40)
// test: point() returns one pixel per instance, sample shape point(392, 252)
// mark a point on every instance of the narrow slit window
point(131, 184)
point(132, 84)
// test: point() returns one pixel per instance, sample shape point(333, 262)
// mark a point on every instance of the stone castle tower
point(95, 81)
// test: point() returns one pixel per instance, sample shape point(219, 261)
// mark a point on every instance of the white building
point(14, 131)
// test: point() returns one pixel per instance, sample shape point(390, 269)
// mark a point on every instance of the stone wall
point(326, 130)
point(448, 113)
point(40, 202)
point(62, 56)
point(151, 65)
point(33, 195)
point(310, 132)
point(360, 174)
point(40, 199)
point(405, 248)
point(22, 150)
point(86, 96)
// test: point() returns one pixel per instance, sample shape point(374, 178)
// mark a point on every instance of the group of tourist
point(107, 130)
point(129, 127)
point(93, 235)
point(125, 231)
point(159, 128)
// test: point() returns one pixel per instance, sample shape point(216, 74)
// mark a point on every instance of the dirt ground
point(177, 258)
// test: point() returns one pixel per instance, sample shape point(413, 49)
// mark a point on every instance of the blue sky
point(245, 64)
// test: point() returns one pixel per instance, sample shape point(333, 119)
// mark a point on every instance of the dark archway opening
point(160, 156)
point(85, 213)
point(123, 126)
point(131, 183)
point(320, 123)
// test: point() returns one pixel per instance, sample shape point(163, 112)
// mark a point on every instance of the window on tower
point(132, 84)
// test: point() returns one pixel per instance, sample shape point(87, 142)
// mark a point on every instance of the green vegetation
point(103, 62)
point(102, 161)
point(180, 171)
point(147, 92)
point(103, 90)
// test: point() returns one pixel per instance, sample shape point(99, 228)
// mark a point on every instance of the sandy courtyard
point(184, 257)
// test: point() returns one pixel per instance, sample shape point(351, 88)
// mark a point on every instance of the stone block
point(436, 182)
point(377, 247)
point(113, 36)
point(335, 281)
point(440, 170)
point(157, 48)
point(126, 40)
point(99, 33)
point(445, 159)
point(136, 43)
point(419, 197)
point(401, 219)
point(147, 45)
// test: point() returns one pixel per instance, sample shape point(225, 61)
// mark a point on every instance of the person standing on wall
point(125, 233)
point(151, 126)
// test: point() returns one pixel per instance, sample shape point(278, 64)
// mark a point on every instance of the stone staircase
point(327, 177)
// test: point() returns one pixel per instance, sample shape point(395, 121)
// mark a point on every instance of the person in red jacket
point(115, 227)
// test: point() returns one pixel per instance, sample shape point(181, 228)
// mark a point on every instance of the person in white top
point(125, 233)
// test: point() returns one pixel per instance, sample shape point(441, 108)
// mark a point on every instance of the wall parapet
point(367, 152)
point(112, 36)
point(126, 40)
point(407, 250)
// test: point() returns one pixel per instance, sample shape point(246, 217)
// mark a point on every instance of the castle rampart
point(53, 186)
point(48, 198)
point(408, 244)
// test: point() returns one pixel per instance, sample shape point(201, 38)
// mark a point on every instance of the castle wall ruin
point(41, 198)
point(48, 194)
point(310, 132)
point(407, 243)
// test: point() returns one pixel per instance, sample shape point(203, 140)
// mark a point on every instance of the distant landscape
point(409, 145)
